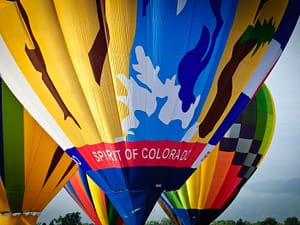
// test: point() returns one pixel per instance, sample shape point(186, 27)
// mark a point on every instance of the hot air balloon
point(134, 88)
point(218, 180)
point(92, 200)
point(33, 169)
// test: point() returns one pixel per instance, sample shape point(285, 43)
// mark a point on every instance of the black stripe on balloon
point(37, 60)
point(243, 171)
point(228, 144)
point(99, 49)
point(145, 3)
point(55, 159)
point(1, 133)
point(70, 167)
point(255, 146)
point(239, 158)
point(247, 131)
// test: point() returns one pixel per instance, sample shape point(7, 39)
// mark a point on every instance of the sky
point(274, 189)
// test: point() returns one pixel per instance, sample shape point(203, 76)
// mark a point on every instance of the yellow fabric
point(121, 19)
point(61, 55)
point(29, 219)
point(18, 220)
point(39, 150)
point(3, 3)
point(208, 171)
point(10, 220)
point(4, 206)
point(98, 195)
point(198, 188)
point(73, 28)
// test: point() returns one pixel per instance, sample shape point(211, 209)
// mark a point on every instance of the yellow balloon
point(33, 167)
point(134, 88)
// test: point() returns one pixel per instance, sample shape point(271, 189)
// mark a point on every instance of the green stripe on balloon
point(13, 145)
point(262, 108)
point(112, 213)
point(174, 199)
point(270, 120)
point(182, 194)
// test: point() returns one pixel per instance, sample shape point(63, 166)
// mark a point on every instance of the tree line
point(267, 221)
point(75, 219)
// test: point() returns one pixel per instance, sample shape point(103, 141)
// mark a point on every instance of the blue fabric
point(288, 23)
point(135, 190)
point(76, 156)
point(192, 55)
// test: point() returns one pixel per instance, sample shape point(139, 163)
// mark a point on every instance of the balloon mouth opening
point(138, 190)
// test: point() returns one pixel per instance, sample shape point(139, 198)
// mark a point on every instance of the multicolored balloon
point(92, 200)
point(33, 168)
point(216, 183)
point(135, 88)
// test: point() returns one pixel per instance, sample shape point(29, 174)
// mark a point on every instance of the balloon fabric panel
point(92, 199)
point(61, 21)
point(230, 184)
point(97, 193)
point(222, 167)
point(135, 87)
point(84, 199)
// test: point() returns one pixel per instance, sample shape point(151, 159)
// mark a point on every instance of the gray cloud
point(285, 186)
point(60, 206)
point(256, 206)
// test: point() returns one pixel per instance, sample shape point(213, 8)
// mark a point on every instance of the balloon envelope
point(33, 168)
point(132, 89)
point(215, 184)
point(92, 200)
